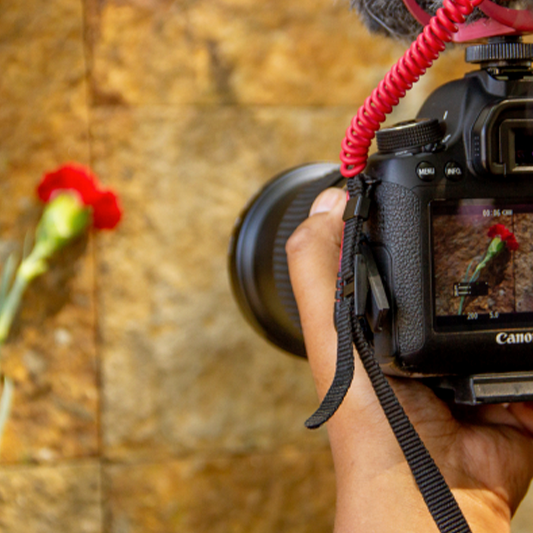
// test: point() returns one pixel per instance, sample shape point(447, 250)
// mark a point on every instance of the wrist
point(485, 511)
point(376, 491)
point(390, 502)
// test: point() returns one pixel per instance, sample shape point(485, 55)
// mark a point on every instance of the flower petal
point(69, 177)
point(508, 237)
point(106, 211)
point(512, 243)
point(74, 177)
point(499, 230)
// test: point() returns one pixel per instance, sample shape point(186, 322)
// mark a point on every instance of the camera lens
point(257, 259)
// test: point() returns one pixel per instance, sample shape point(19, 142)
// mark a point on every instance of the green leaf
point(7, 278)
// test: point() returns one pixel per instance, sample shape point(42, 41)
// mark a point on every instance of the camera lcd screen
point(482, 264)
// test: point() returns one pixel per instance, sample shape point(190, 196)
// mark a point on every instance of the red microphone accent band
point(400, 78)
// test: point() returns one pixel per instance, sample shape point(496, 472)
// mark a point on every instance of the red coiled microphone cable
point(400, 78)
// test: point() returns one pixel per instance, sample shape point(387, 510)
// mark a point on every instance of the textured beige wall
point(144, 403)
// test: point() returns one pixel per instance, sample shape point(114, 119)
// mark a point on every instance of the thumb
point(313, 256)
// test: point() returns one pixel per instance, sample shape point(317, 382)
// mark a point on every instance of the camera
point(448, 238)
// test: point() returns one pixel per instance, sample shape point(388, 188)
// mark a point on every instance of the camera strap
point(350, 323)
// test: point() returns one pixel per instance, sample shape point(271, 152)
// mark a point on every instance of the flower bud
point(64, 218)
point(496, 246)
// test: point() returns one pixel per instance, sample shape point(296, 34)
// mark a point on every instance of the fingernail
point(326, 201)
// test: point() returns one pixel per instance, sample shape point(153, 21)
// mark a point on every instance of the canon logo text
point(514, 338)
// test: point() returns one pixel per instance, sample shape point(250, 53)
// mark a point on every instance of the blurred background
point(144, 403)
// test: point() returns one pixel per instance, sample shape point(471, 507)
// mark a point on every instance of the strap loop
point(358, 206)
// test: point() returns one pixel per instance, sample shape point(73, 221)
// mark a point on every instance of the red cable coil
point(400, 78)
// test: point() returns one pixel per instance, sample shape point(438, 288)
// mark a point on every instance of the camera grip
point(395, 222)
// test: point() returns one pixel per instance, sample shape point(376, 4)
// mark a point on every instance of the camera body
point(450, 231)
point(448, 182)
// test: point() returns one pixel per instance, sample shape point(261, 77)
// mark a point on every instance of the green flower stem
point(495, 247)
point(10, 306)
point(33, 266)
point(63, 219)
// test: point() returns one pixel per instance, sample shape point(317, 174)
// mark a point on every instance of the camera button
point(453, 171)
point(426, 171)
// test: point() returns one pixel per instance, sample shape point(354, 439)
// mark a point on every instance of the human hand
point(485, 453)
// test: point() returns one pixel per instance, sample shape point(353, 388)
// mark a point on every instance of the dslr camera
point(448, 237)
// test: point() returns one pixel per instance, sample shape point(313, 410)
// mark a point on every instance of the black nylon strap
point(344, 371)
point(345, 361)
point(436, 493)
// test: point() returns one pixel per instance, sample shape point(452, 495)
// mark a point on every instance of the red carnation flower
point(512, 243)
point(499, 230)
point(106, 211)
point(71, 177)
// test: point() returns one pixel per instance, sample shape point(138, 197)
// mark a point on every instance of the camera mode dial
point(409, 136)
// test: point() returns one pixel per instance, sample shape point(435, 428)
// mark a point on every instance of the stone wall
point(144, 403)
